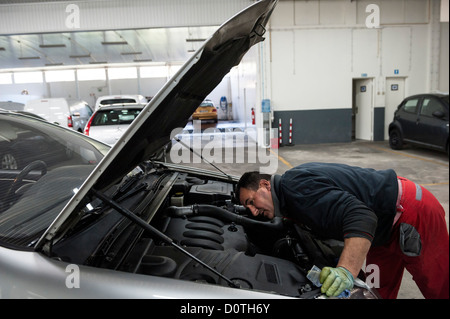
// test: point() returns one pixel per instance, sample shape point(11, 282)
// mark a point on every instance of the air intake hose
point(213, 211)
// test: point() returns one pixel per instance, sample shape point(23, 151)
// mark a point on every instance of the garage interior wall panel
point(319, 47)
point(299, 83)
point(48, 17)
point(243, 86)
point(444, 58)
point(62, 89)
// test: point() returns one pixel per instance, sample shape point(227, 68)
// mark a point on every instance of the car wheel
point(8, 161)
point(395, 139)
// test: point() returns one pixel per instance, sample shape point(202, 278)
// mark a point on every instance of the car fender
point(395, 125)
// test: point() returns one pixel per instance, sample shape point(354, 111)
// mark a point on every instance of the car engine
point(271, 256)
point(186, 226)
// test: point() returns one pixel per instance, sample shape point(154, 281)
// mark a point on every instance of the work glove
point(335, 280)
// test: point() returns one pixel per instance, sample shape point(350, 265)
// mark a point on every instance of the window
point(122, 73)
point(429, 106)
point(5, 78)
point(113, 117)
point(60, 76)
point(28, 77)
point(411, 105)
point(154, 71)
point(91, 74)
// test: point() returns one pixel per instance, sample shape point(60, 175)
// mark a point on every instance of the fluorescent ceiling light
point(142, 60)
point(195, 40)
point(114, 42)
point(52, 45)
point(80, 56)
point(130, 53)
point(29, 58)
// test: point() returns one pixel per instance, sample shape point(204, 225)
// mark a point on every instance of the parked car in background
point(11, 106)
point(69, 113)
point(421, 120)
point(205, 111)
point(120, 99)
point(108, 123)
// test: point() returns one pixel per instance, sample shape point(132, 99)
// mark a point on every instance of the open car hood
point(172, 105)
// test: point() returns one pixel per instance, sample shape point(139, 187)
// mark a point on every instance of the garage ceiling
point(167, 45)
point(42, 33)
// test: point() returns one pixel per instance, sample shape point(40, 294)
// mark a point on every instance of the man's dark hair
point(249, 180)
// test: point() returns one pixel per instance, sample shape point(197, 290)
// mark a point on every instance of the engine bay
point(200, 216)
point(186, 226)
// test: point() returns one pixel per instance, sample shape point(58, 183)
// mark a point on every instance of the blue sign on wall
point(265, 106)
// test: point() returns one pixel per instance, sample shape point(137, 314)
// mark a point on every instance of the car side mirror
point(439, 114)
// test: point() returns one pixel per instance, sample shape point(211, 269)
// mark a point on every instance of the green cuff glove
point(335, 280)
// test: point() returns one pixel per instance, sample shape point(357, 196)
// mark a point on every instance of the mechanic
point(387, 220)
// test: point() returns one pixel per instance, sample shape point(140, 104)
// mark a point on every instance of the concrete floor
point(425, 167)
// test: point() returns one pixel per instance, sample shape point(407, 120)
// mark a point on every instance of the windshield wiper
point(153, 231)
point(200, 155)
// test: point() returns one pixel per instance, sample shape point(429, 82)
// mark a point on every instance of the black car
point(421, 120)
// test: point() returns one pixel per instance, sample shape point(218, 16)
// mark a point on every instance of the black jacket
point(339, 201)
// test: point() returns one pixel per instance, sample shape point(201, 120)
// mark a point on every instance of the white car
point(119, 99)
point(70, 113)
point(110, 122)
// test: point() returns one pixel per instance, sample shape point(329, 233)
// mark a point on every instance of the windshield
point(42, 165)
point(117, 101)
point(115, 116)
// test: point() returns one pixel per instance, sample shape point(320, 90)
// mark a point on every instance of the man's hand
point(335, 280)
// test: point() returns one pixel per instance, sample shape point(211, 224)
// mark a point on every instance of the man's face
point(258, 202)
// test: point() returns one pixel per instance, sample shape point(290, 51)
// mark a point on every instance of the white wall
point(243, 82)
point(318, 47)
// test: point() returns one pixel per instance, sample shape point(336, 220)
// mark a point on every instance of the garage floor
point(425, 167)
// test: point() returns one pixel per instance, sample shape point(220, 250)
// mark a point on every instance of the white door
point(363, 108)
point(395, 93)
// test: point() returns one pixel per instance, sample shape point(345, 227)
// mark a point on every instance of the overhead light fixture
point(53, 64)
point(98, 62)
point(142, 60)
point(130, 53)
point(80, 56)
point(114, 42)
point(29, 58)
point(195, 40)
point(52, 45)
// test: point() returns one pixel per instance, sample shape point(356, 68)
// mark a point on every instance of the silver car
point(110, 122)
point(115, 223)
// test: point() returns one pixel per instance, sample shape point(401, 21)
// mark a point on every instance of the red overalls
point(419, 208)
